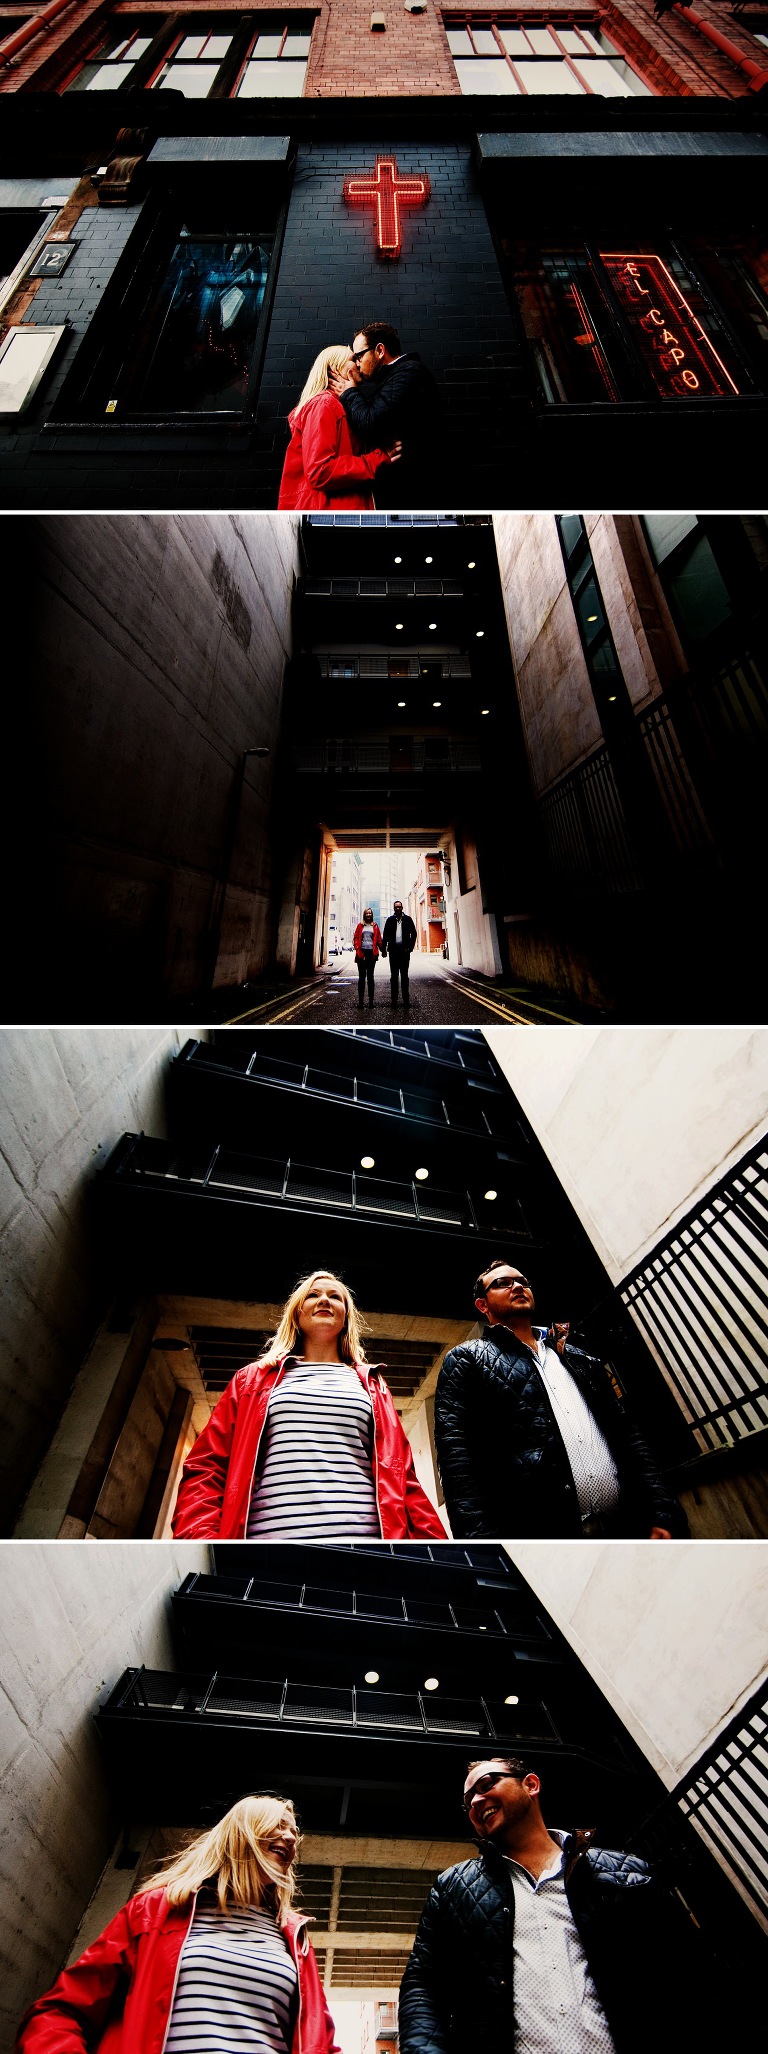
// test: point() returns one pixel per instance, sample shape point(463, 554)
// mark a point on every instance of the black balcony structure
point(360, 1682)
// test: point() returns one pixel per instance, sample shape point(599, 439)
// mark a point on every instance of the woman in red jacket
point(306, 1444)
point(209, 1955)
point(367, 947)
point(322, 466)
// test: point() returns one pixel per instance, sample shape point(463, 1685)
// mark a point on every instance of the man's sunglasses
point(486, 1783)
point(502, 1283)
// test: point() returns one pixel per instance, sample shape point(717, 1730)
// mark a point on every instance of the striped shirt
point(237, 1987)
point(314, 1475)
point(557, 2008)
point(594, 1470)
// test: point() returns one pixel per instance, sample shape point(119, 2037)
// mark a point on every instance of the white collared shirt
point(557, 2008)
point(594, 1471)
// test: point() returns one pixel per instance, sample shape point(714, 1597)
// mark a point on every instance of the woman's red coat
point(358, 941)
point(90, 2010)
point(322, 469)
point(217, 1478)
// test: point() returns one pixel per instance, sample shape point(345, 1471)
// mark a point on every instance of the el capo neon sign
point(386, 193)
point(676, 349)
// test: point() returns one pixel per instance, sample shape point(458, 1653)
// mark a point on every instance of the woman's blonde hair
point(367, 912)
point(289, 1338)
point(334, 359)
point(233, 1856)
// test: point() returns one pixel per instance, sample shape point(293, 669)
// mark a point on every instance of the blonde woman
point(322, 468)
point(306, 1444)
point(209, 1956)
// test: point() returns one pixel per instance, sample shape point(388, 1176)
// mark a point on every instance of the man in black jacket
point(398, 943)
point(396, 401)
point(545, 1942)
point(532, 1439)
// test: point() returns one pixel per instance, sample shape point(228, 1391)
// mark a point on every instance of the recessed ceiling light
point(437, 702)
point(479, 633)
point(433, 624)
point(372, 1676)
point(471, 566)
point(367, 1163)
point(485, 709)
point(398, 559)
point(421, 1175)
point(611, 698)
point(401, 702)
point(427, 559)
point(398, 625)
point(511, 1700)
point(490, 1195)
point(431, 1683)
point(590, 618)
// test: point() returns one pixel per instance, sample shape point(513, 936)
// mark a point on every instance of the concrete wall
point(66, 1097)
point(638, 1122)
point(674, 1636)
point(159, 648)
point(72, 1618)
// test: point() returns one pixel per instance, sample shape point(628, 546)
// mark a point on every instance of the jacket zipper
point(178, 1972)
point(293, 1943)
point(259, 1441)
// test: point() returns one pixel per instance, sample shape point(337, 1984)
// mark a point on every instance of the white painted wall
point(676, 1636)
point(637, 1122)
point(66, 1096)
point(72, 1617)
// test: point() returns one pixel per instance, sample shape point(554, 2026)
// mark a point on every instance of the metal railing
point(381, 588)
point(407, 758)
point(705, 743)
point(226, 1173)
point(256, 1067)
point(388, 1609)
point(415, 1715)
point(700, 1300)
point(726, 1798)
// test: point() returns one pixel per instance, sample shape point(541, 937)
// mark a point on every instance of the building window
point(193, 65)
point(605, 674)
point(202, 56)
point(115, 65)
point(277, 63)
point(502, 57)
point(689, 571)
point(634, 323)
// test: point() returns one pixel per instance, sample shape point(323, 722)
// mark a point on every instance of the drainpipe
point(12, 44)
point(756, 73)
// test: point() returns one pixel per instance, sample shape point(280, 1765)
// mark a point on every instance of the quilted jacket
point(457, 1994)
point(502, 1458)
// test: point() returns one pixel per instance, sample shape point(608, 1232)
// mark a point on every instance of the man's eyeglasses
point(486, 1783)
point(358, 353)
point(502, 1283)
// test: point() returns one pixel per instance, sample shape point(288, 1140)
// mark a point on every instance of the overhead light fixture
point(437, 702)
point(431, 1683)
point(472, 566)
point(398, 625)
point(398, 559)
point(401, 702)
point(421, 1176)
point(367, 1162)
point(590, 618)
point(427, 559)
point(485, 709)
point(479, 633)
point(433, 624)
point(511, 1700)
point(372, 1676)
point(490, 1195)
point(611, 698)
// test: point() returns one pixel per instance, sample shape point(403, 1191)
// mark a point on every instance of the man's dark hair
point(381, 331)
point(499, 1262)
point(511, 1762)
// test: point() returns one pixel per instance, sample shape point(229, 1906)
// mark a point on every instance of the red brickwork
point(410, 58)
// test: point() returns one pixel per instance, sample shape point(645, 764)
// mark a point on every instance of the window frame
point(496, 22)
point(172, 28)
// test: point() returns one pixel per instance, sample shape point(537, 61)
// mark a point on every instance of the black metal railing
point(700, 1300)
point(381, 588)
point(430, 1107)
point(452, 663)
point(726, 1797)
point(407, 756)
point(280, 1701)
point(387, 1608)
point(705, 744)
point(226, 1173)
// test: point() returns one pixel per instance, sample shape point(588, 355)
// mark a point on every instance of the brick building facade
point(581, 162)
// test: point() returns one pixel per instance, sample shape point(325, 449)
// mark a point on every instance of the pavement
point(440, 996)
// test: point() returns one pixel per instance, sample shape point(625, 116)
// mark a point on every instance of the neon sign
point(386, 193)
point(679, 355)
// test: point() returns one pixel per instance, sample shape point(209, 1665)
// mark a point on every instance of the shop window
point(499, 57)
point(611, 324)
point(181, 339)
point(276, 66)
point(20, 229)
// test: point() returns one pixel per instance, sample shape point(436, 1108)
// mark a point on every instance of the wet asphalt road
point(440, 996)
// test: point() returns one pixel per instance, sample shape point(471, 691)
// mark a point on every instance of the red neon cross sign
point(387, 193)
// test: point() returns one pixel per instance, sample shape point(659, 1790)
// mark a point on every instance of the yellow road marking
point(506, 1011)
point(291, 1006)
